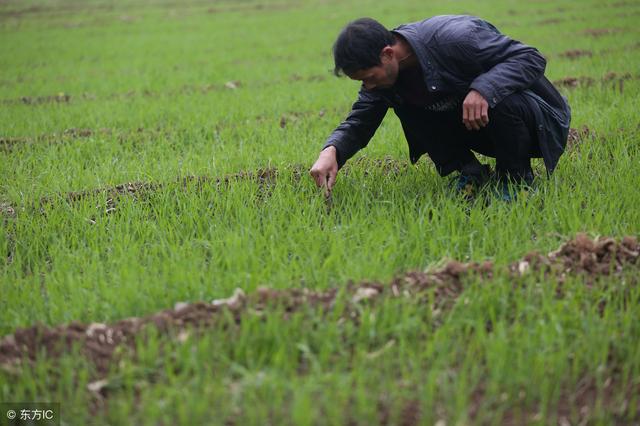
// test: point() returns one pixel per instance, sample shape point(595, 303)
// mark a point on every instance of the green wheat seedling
point(94, 95)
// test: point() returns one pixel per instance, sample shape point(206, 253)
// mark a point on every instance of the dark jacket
point(457, 54)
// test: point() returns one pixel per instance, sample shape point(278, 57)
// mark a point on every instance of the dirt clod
point(266, 176)
point(579, 135)
point(410, 414)
point(574, 82)
point(59, 98)
point(599, 32)
point(233, 85)
point(576, 53)
point(7, 210)
point(582, 255)
point(550, 21)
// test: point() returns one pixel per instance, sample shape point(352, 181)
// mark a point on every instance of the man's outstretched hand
point(475, 111)
point(325, 168)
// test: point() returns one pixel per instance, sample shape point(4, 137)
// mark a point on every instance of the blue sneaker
point(508, 190)
point(505, 191)
point(470, 183)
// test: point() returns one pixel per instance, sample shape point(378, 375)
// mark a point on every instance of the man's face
point(381, 76)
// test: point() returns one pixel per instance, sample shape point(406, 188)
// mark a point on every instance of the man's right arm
point(353, 134)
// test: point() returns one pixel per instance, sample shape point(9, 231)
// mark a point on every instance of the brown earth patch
point(79, 133)
point(614, 76)
point(410, 413)
point(572, 82)
point(100, 342)
point(579, 135)
point(265, 178)
point(608, 78)
point(67, 134)
point(310, 78)
point(187, 89)
point(73, 134)
point(599, 32)
point(438, 289)
point(296, 116)
point(7, 210)
point(258, 7)
point(550, 21)
point(576, 53)
point(589, 258)
point(59, 98)
point(18, 13)
point(617, 80)
point(9, 142)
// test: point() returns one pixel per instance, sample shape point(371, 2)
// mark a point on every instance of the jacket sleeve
point(355, 132)
point(510, 66)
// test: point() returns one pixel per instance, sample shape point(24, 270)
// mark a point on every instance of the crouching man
point(458, 86)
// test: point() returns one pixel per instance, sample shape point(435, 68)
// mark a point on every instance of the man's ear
point(387, 53)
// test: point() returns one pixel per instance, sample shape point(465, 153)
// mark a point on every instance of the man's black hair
point(359, 44)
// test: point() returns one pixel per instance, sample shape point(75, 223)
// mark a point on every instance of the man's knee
point(513, 105)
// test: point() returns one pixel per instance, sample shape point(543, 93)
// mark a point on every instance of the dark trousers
point(509, 137)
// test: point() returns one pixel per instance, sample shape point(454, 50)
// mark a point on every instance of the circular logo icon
point(11, 414)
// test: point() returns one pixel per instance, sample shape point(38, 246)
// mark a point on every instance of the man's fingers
point(465, 116)
point(331, 181)
point(324, 179)
point(471, 118)
point(485, 113)
point(475, 111)
point(317, 177)
point(477, 117)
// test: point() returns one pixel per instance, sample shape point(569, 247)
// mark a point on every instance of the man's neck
point(406, 56)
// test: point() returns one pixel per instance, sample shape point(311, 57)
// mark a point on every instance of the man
point(457, 85)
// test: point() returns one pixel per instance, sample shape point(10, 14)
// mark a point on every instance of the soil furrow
point(187, 89)
point(266, 178)
point(576, 53)
point(438, 288)
point(613, 78)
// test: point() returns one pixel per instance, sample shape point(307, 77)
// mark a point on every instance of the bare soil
point(186, 89)
point(579, 135)
point(550, 21)
point(576, 53)
point(7, 210)
point(132, 188)
point(610, 77)
point(572, 82)
point(599, 32)
point(7, 143)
